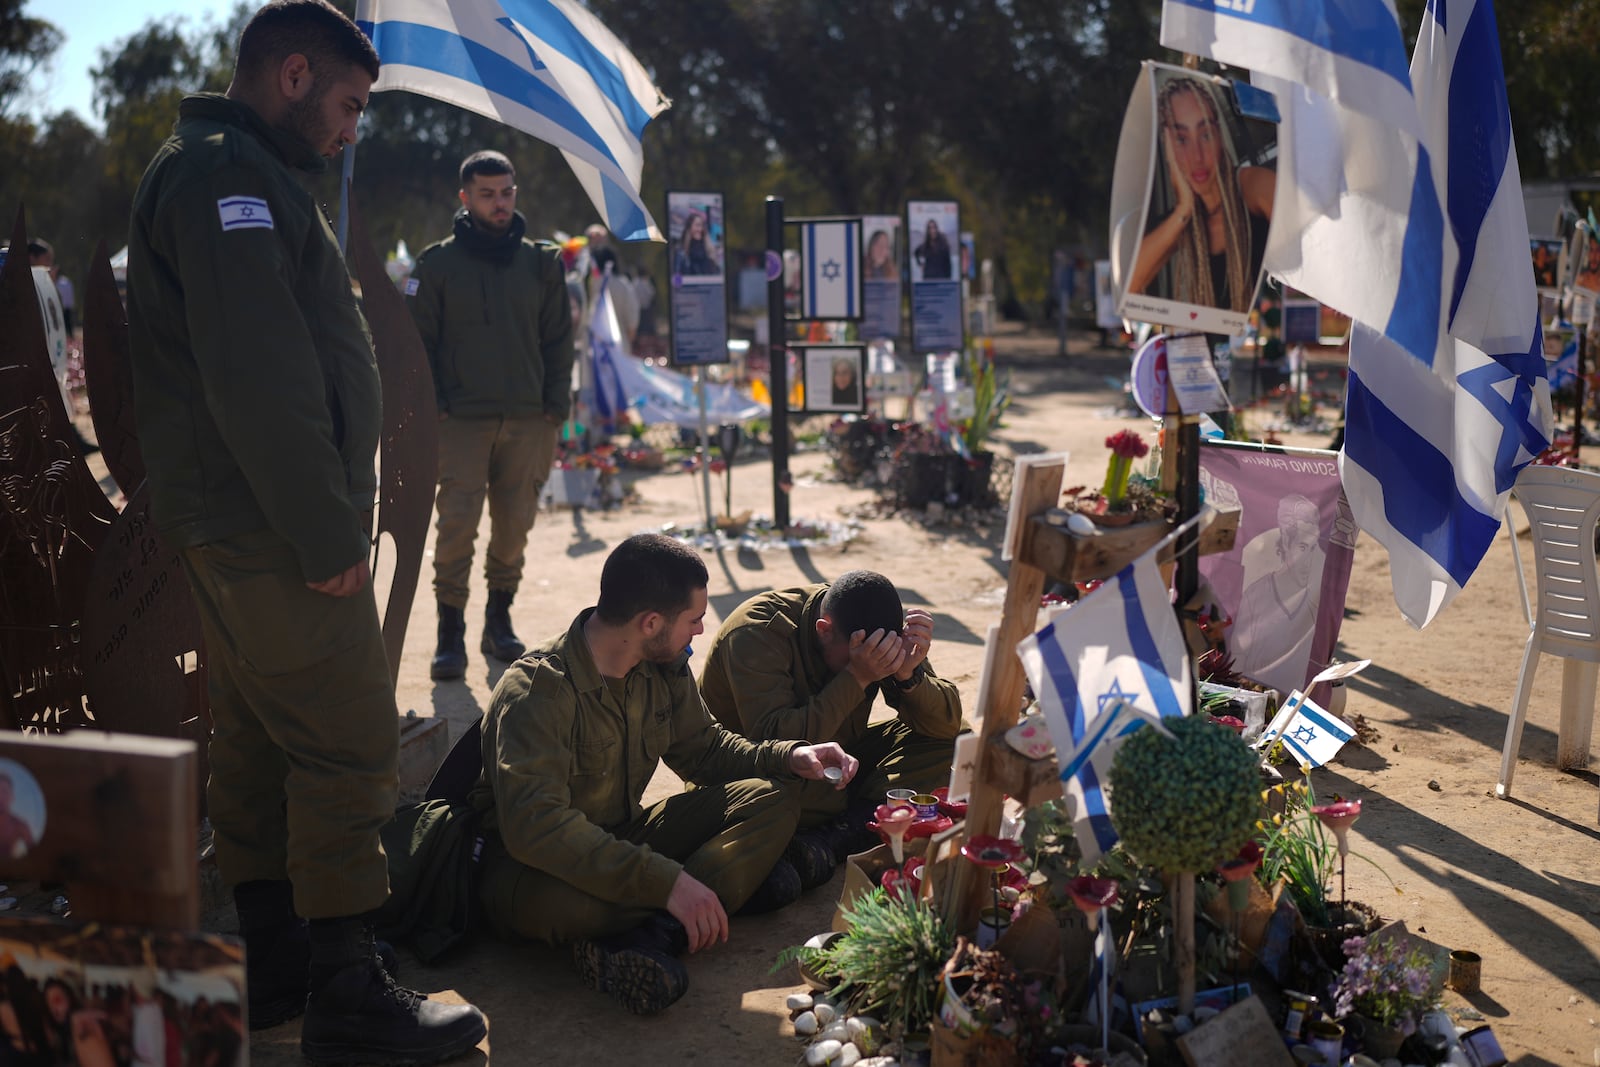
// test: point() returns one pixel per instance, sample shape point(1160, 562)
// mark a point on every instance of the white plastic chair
point(1563, 507)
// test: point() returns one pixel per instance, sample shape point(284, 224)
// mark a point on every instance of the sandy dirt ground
point(1515, 881)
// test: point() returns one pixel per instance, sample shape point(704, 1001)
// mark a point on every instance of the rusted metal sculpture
point(53, 518)
point(143, 658)
point(409, 457)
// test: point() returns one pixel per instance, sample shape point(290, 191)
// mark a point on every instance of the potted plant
point(991, 396)
point(1184, 798)
point(1301, 850)
point(1388, 983)
point(888, 964)
point(1124, 498)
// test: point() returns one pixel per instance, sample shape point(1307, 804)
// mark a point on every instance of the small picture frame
point(835, 377)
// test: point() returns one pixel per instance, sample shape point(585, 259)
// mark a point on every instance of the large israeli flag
point(610, 400)
point(1356, 220)
point(1431, 453)
point(546, 67)
point(831, 254)
point(1116, 656)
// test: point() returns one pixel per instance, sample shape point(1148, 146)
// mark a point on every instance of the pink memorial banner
point(1285, 579)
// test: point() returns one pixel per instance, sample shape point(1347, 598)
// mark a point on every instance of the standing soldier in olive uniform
point(809, 663)
point(493, 313)
point(258, 409)
point(575, 731)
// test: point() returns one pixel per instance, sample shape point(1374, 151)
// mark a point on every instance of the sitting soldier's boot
point(811, 853)
point(498, 639)
point(277, 952)
point(357, 1014)
point(635, 968)
point(781, 887)
point(450, 658)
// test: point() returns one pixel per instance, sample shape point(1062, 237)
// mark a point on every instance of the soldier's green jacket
point(255, 386)
point(765, 677)
point(564, 761)
point(497, 327)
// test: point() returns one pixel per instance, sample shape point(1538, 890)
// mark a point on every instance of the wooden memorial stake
point(111, 815)
point(1040, 491)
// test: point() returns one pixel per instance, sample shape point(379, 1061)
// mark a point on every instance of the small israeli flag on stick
point(1311, 733)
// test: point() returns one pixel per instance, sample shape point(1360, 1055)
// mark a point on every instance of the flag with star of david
point(1311, 733)
point(1431, 450)
point(830, 264)
point(1101, 669)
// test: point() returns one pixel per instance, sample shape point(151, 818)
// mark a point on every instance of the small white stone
point(848, 1056)
point(823, 1052)
point(866, 1032)
point(835, 1031)
point(805, 1024)
point(1080, 524)
point(825, 1013)
point(799, 1001)
point(878, 1061)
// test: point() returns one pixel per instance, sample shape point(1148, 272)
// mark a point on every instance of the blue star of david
point(1305, 734)
point(1514, 415)
point(830, 270)
point(1112, 697)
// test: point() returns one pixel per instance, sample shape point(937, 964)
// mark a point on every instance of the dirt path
point(1514, 881)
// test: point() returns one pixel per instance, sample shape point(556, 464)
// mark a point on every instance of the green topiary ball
point(1186, 803)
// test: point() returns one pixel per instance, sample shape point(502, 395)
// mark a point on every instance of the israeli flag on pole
point(546, 67)
point(1431, 452)
point(1356, 220)
point(1116, 653)
point(831, 254)
point(1310, 733)
point(605, 354)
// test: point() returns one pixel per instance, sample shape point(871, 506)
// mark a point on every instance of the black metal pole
point(778, 366)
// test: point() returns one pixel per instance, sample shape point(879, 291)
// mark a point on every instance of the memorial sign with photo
point(881, 270)
point(933, 230)
point(697, 269)
point(1191, 201)
point(1549, 262)
point(835, 377)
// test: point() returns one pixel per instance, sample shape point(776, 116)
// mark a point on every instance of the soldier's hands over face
point(875, 656)
point(699, 910)
point(349, 583)
point(916, 637)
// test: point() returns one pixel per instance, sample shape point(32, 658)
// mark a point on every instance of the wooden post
point(112, 815)
point(1040, 491)
point(1182, 889)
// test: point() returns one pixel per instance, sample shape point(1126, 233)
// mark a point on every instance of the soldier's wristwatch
point(917, 675)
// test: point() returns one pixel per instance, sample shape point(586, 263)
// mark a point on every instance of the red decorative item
point(1092, 894)
point(1243, 865)
point(991, 852)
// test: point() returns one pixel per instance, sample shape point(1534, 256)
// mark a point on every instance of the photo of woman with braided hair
point(1210, 209)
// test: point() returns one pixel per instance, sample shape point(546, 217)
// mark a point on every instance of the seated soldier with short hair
point(808, 663)
point(573, 734)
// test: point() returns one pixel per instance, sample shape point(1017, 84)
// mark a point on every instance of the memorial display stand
point(1041, 547)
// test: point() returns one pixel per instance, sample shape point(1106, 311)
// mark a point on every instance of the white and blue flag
point(1356, 220)
point(1100, 669)
point(1310, 733)
point(549, 68)
point(1431, 451)
point(610, 399)
point(831, 254)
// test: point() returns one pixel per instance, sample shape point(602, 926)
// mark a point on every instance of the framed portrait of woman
point(1192, 199)
point(835, 377)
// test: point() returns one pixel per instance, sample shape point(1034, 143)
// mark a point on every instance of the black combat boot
point(357, 1014)
point(636, 968)
point(450, 658)
point(811, 854)
point(498, 640)
point(781, 887)
point(277, 952)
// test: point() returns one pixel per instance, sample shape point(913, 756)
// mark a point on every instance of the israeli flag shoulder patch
point(244, 213)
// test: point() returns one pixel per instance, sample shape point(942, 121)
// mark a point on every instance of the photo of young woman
point(881, 265)
point(1207, 224)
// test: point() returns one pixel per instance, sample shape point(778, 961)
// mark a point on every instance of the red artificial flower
point(1091, 894)
point(1127, 444)
point(1231, 722)
point(1244, 864)
point(1338, 815)
point(718, 466)
point(987, 850)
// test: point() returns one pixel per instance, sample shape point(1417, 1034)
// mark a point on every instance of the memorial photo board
point(698, 283)
point(835, 377)
point(933, 229)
